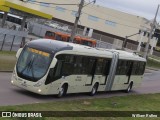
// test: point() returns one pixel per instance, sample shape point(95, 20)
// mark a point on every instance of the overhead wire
point(38, 3)
point(48, 2)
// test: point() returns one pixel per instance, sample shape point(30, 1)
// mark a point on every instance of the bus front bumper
point(27, 85)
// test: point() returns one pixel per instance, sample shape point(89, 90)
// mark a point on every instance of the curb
point(149, 68)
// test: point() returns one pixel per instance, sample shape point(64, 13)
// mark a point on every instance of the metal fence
point(12, 42)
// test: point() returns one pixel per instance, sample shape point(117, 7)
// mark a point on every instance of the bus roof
point(56, 46)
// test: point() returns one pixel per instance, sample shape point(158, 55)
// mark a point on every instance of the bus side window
point(85, 62)
point(68, 65)
point(68, 39)
point(88, 64)
point(63, 39)
point(48, 33)
point(142, 68)
point(129, 67)
point(134, 70)
point(91, 66)
point(100, 66)
point(78, 65)
point(107, 65)
point(58, 37)
point(119, 69)
point(137, 72)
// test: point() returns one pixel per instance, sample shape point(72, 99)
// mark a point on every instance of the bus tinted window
point(107, 67)
point(121, 68)
point(100, 66)
point(58, 37)
point(138, 68)
point(50, 34)
point(78, 65)
point(91, 66)
point(130, 67)
point(124, 67)
point(87, 43)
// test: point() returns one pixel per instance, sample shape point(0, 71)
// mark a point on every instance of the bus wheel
point(62, 91)
point(94, 89)
point(129, 87)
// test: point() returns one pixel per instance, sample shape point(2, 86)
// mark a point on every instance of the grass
point(148, 102)
point(7, 60)
point(7, 53)
point(153, 64)
point(155, 57)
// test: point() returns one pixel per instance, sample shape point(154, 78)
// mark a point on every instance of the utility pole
point(76, 21)
point(4, 19)
point(150, 35)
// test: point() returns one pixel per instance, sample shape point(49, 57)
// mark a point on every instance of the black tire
point(129, 88)
point(63, 91)
point(94, 89)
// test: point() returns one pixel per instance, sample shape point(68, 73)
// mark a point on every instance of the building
point(97, 22)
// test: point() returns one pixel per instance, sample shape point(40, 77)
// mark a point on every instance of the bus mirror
point(54, 61)
point(18, 52)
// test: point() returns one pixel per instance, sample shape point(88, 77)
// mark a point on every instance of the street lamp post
point(81, 5)
point(150, 35)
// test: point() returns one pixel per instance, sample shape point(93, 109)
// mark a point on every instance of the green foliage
point(152, 63)
point(145, 102)
point(7, 60)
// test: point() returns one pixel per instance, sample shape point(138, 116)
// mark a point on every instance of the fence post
point(3, 42)
point(23, 42)
point(12, 42)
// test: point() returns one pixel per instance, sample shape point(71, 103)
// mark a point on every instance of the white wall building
point(98, 22)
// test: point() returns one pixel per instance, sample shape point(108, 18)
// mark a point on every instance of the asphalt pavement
point(12, 95)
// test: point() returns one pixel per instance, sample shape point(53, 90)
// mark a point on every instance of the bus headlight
point(38, 84)
point(14, 76)
point(12, 81)
point(39, 90)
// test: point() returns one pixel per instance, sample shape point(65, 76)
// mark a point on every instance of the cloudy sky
point(144, 8)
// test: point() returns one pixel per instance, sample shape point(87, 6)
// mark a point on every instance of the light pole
point(76, 21)
point(150, 35)
point(81, 5)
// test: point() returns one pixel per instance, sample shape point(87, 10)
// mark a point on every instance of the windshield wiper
point(29, 66)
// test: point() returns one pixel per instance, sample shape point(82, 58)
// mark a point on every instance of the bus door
point(129, 71)
point(102, 70)
point(99, 72)
point(90, 67)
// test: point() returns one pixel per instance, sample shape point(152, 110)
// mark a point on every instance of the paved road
point(11, 95)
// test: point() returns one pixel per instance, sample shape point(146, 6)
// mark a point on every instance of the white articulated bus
point(53, 67)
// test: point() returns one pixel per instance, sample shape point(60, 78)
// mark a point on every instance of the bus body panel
point(84, 82)
point(119, 82)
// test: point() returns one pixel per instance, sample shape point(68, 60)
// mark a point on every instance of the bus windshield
point(33, 64)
